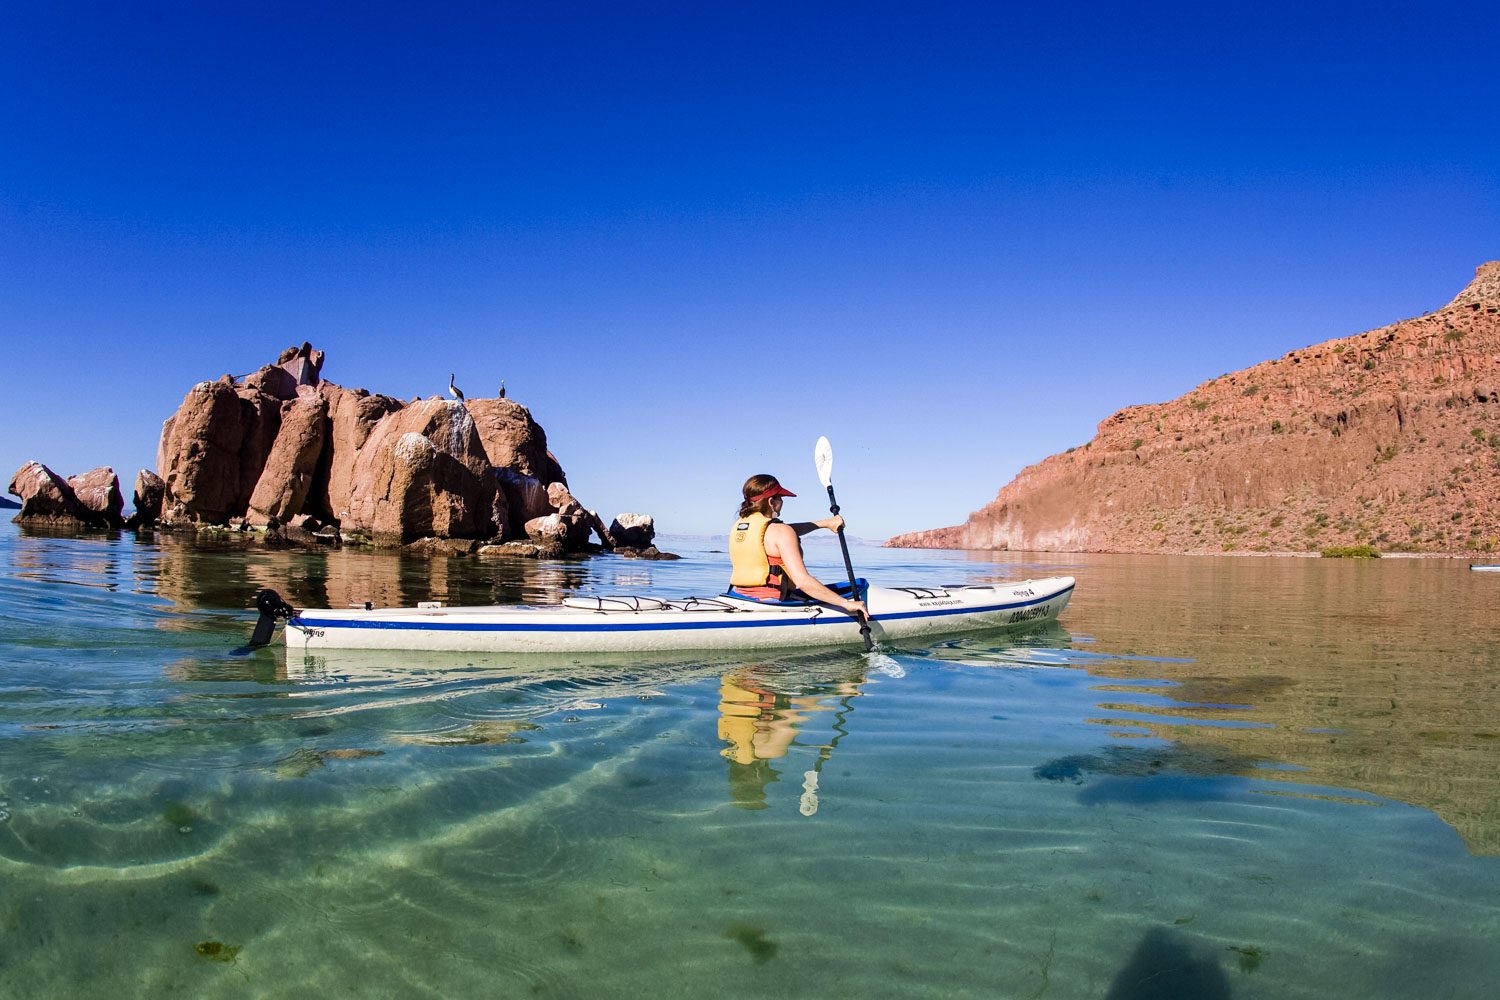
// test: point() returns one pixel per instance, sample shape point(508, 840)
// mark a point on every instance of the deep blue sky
point(694, 237)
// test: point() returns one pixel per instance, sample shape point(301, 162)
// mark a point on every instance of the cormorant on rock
point(458, 393)
point(502, 388)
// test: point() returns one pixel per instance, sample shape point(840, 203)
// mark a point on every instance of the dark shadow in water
point(1176, 773)
point(1170, 788)
point(1146, 762)
point(1166, 966)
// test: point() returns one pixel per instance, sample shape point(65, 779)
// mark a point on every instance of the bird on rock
point(502, 388)
point(458, 393)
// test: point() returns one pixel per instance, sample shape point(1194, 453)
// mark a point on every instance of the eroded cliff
point(1389, 438)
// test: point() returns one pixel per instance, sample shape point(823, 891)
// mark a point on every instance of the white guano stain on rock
point(412, 447)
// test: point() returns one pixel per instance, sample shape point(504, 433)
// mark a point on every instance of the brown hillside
point(1389, 438)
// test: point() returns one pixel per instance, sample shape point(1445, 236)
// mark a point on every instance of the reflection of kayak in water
point(587, 624)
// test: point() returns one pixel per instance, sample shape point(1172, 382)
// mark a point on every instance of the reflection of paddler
point(759, 725)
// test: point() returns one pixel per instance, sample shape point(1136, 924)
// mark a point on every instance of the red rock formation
point(288, 474)
point(98, 494)
point(282, 445)
point(513, 440)
point(353, 414)
point(211, 458)
point(577, 522)
point(1389, 438)
point(260, 417)
point(150, 491)
point(199, 457)
point(45, 497)
point(633, 530)
point(302, 363)
point(548, 530)
point(525, 497)
point(88, 500)
point(285, 444)
point(423, 471)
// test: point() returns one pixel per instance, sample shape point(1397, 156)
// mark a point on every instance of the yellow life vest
point(747, 551)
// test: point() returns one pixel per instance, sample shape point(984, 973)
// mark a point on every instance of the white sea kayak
point(604, 624)
point(1485, 569)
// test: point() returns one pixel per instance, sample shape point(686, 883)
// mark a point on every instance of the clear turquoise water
point(1216, 778)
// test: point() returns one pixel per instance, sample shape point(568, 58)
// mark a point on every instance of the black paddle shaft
point(864, 622)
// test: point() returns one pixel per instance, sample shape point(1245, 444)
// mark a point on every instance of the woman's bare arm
point(833, 523)
point(781, 542)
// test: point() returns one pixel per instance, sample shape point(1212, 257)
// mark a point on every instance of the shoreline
point(232, 539)
point(1236, 554)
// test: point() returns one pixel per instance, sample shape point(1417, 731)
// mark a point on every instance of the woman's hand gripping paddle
point(823, 456)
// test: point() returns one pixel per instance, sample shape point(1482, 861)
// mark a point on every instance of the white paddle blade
point(823, 455)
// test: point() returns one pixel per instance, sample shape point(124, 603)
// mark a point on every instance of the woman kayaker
point(766, 553)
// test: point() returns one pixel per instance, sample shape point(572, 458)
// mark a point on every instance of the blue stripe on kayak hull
point(839, 619)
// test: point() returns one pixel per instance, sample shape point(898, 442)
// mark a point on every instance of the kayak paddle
point(823, 456)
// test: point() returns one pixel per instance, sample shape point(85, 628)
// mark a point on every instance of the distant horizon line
point(807, 540)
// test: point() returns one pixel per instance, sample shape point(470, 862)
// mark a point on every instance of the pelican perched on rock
point(458, 393)
point(502, 388)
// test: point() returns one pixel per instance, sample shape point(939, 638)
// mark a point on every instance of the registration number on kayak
point(1027, 614)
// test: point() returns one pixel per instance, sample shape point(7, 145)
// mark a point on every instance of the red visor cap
point(775, 491)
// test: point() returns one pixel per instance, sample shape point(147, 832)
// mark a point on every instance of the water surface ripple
point(1226, 777)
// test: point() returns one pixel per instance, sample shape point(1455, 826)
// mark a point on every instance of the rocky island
point(1388, 439)
point(288, 457)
